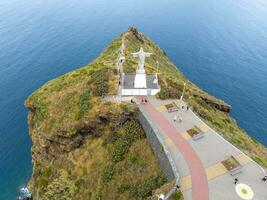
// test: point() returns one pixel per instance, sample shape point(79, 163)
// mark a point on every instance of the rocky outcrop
point(47, 148)
point(136, 33)
point(214, 102)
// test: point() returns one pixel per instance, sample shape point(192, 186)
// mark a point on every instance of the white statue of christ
point(140, 77)
point(141, 64)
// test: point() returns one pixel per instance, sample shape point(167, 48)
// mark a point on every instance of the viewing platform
point(209, 166)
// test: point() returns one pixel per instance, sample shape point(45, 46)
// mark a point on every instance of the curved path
point(200, 189)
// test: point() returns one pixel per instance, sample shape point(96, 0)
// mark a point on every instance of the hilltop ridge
point(86, 147)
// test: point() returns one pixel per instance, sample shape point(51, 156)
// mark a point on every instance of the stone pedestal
point(140, 80)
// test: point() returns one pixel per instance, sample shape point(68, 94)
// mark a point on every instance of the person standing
point(175, 118)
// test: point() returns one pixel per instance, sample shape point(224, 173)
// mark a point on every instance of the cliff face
point(214, 102)
point(87, 148)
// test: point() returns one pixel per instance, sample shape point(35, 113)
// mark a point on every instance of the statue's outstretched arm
point(135, 54)
point(148, 54)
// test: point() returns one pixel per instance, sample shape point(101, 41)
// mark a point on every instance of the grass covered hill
point(87, 148)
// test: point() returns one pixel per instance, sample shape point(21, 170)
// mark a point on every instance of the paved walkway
point(203, 176)
point(199, 162)
point(198, 176)
point(119, 63)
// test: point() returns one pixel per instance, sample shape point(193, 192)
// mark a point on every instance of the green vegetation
point(170, 89)
point(230, 163)
point(107, 173)
point(99, 82)
point(145, 189)
point(63, 103)
point(96, 149)
point(83, 104)
point(172, 80)
point(91, 172)
point(125, 155)
point(84, 147)
point(132, 132)
point(177, 195)
point(193, 131)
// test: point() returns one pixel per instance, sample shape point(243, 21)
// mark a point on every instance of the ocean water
point(220, 45)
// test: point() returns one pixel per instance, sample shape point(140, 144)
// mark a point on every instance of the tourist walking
point(264, 178)
point(235, 181)
point(175, 118)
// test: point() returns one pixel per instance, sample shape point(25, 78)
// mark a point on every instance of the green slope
point(85, 148)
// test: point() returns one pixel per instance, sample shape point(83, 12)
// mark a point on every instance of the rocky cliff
point(85, 147)
point(214, 102)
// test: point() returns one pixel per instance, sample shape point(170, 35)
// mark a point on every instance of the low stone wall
point(160, 150)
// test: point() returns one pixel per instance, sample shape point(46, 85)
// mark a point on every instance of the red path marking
point(200, 189)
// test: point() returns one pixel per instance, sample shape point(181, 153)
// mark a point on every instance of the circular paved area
point(244, 191)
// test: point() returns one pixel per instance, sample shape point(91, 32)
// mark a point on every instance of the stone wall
point(160, 150)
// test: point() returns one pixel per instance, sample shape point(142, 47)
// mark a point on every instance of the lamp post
point(157, 69)
point(181, 98)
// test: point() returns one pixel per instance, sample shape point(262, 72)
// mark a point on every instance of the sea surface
point(220, 45)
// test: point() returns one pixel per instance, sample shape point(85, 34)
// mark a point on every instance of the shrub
point(78, 183)
point(40, 113)
point(107, 173)
point(83, 104)
point(98, 194)
point(124, 107)
point(123, 188)
point(169, 93)
point(61, 187)
point(111, 138)
point(259, 160)
point(120, 149)
point(134, 159)
point(177, 195)
point(133, 130)
point(47, 172)
point(99, 82)
point(70, 132)
point(161, 149)
point(40, 107)
point(170, 89)
point(85, 171)
point(145, 189)
point(42, 183)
